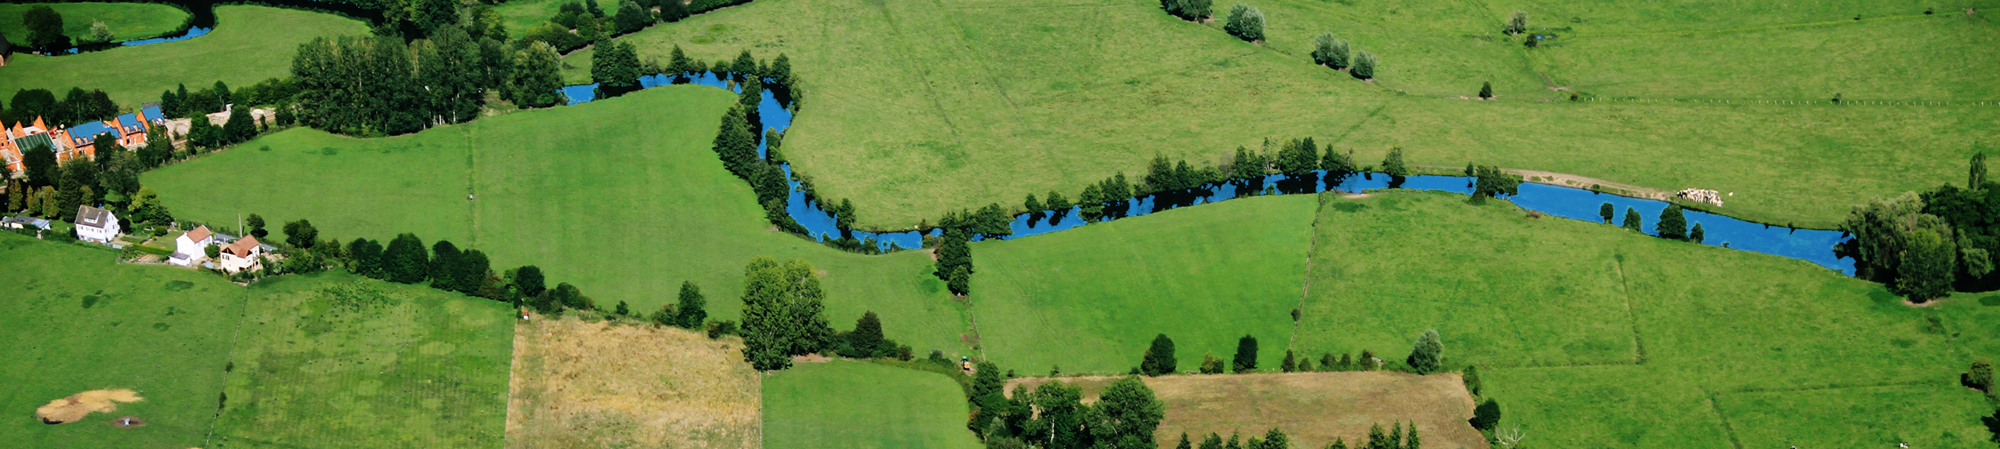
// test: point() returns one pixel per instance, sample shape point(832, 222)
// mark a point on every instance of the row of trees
point(1272, 439)
point(1053, 415)
point(1337, 54)
point(1672, 224)
point(77, 106)
point(379, 85)
point(1194, 10)
point(1927, 245)
point(1426, 357)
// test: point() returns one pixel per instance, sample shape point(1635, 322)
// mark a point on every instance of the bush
point(1245, 22)
point(1980, 376)
point(1210, 364)
point(1330, 51)
point(1486, 416)
point(1427, 355)
point(1364, 65)
point(1485, 90)
point(1195, 10)
point(1518, 24)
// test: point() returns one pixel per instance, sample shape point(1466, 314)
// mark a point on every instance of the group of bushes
point(1194, 10)
point(76, 107)
point(1054, 416)
point(1337, 54)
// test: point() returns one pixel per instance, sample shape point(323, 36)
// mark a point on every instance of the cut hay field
point(1593, 335)
point(249, 44)
point(626, 201)
point(1090, 300)
point(584, 384)
point(336, 360)
point(127, 21)
point(848, 404)
point(1313, 408)
point(917, 107)
point(75, 320)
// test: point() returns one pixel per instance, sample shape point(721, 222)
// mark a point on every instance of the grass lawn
point(127, 21)
point(249, 44)
point(622, 197)
point(848, 404)
point(519, 16)
point(915, 108)
point(1641, 362)
point(77, 321)
point(1312, 408)
point(336, 360)
point(1091, 299)
point(585, 384)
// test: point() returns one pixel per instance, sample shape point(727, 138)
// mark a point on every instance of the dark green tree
point(1695, 235)
point(782, 313)
point(1976, 178)
point(302, 234)
point(1980, 376)
point(1392, 164)
point(39, 163)
point(692, 309)
point(1427, 355)
point(1486, 90)
point(1159, 358)
point(672, 11)
point(1632, 219)
point(1486, 416)
point(1929, 260)
point(1672, 225)
point(1471, 378)
point(615, 64)
point(528, 281)
point(1607, 211)
point(1246, 355)
point(1289, 364)
point(1491, 182)
point(537, 77)
point(1364, 65)
point(45, 29)
point(1298, 157)
point(405, 260)
point(631, 17)
point(434, 14)
point(473, 272)
point(365, 258)
point(444, 259)
point(1245, 23)
point(256, 223)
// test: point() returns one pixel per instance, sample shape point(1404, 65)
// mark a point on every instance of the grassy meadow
point(1091, 299)
point(336, 360)
point(1671, 353)
point(595, 384)
point(249, 44)
point(127, 21)
point(848, 404)
point(626, 202)
point(915, 108)
point(77, 321)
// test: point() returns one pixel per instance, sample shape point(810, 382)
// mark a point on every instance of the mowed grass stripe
point(76, 320)
point(249, 44)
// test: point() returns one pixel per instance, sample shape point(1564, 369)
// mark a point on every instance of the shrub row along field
point(922, 107)
point(584, 384)
point(1596, 335)
point(847, 404)
point(336, 360)
point(626, 202)
point(76, 321)
point(249, 44)
point(1313, 408)
point(127, 21)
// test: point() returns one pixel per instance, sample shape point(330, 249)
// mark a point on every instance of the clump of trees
point(690, 311)
point(1491, 182)
point(76, 106)
point(1331, 51)
point(1159, 358)
point(1194, 10)
point(782, 313)
point(866, 341)
point(1053, 415)
point(1245, 23)
point(45, 30)
point(1364, 65)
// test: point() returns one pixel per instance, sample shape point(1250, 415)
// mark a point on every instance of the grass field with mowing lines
point(626, 204)
point(77, 321)
point(249, 44)
point(127, 21)
point(1312, 408)
point(1702, 321)
point(1859, 417)
point(336, 360)
point(585, 384)
point(915, 108)
point(1091, 299)
point(848, 404)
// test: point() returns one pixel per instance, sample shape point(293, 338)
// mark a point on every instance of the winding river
point(202, 20)
point(1812, 245)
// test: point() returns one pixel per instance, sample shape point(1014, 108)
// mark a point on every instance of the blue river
point(1812, 245)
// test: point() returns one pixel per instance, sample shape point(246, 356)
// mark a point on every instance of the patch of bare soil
point(811, 358)
point(580, 384)
point(1355, 196)
point(75, 407)
point(1313, 408)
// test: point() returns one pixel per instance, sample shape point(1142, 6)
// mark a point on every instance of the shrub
point(1364, 65)
point(1195, 10)
point(1392, 164)
point(1980, 376)
point(1210, 364)
point(1330, 51)
point(1245, 22)
point(1486, 415)
point(1695, 235)
point(1518, 24)
point(1471, 376)
point(1427, 355)
point(1485, 90)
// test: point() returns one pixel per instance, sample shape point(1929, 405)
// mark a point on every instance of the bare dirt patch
point(1355, 196)
point(582, 384)
point(75, 407)
point(1313, 408)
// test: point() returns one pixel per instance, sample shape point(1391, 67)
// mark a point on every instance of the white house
point(96, 225)
point(191, 247)
point(241, 255)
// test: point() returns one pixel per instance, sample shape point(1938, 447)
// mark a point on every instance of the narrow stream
point(1812, 245)
point(202, 20)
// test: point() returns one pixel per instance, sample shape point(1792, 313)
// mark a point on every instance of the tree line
point(1426, 357)
point(1053, 415)
point(76, 107)
point(1929, 244)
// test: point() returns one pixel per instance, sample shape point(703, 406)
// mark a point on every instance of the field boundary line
point(1715, 405)
point(1828, 387)
point(1306, 283)
point(1625, 289)
point(1358, 124)
point(235, 339)
point(1774, 27)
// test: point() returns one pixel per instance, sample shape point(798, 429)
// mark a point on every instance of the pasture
point(249, 44)
point(848, 404)
point(1590, 334)
point(336, 360)
point(585, 384)
point(127, 21)
point(622, 197)
point(916, 108)
point(78, 321)
point(1090, 300)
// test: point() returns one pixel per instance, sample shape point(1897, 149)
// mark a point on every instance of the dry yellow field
point(595, 384)
point(1313, 408)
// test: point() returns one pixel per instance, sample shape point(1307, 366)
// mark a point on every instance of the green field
point(77, 321)
point(335, 360)
point(1091, 299)
point(249, 44)
point(519, 16)
point(1593, 335)
point(622, 197)
point(845, 404)
point(915, 108)
point(127, 21)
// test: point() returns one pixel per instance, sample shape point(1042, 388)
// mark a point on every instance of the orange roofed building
point(74, 142)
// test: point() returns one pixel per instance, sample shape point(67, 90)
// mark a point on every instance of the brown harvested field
point(581, 384)
point(1313, 408)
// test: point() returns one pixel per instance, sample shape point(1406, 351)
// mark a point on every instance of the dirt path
point(1576, 181)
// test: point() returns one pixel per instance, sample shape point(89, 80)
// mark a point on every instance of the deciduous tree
point(1427, 355)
